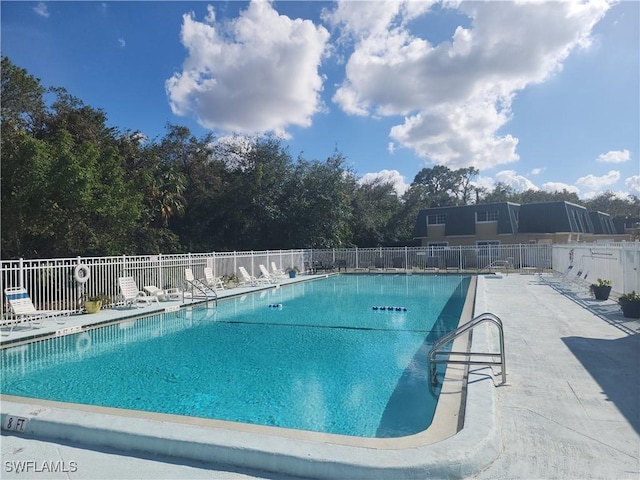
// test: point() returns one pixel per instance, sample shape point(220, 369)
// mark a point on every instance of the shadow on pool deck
point(607, 310)
point(615, 365)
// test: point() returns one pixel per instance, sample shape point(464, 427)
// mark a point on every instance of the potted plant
point(292, 271)
point(93, 304)
point(230, 280)
point(630, 304)
point(601, 289)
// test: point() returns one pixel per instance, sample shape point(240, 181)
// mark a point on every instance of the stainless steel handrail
point(202, 288)
point(506, 264)
point(452, 335)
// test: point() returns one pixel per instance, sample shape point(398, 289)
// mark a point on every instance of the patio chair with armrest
point(278, 273)
point(246, 279)
point(212, 281)
point(132, 294)
point(196, 287)
point(24, 310)
point(265, 276)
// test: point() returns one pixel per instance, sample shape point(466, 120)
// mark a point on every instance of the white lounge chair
point(25, 311)
point(247, 279)
point(211, 281)
point(132, 294)
point(276, 271)
point(196, 287)
point(265, 276)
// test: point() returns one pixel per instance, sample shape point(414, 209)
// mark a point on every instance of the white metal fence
point(437, 258)
point(618, 262)
point(51, 283)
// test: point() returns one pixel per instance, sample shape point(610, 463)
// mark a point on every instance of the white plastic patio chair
point(25, 311)
point(132, 294)
point(211, 281)
point(194, 287)
point(276, 271)
point(265, 276)
point(247, 279)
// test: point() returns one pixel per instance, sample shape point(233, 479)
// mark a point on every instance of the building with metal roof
point(512, 223)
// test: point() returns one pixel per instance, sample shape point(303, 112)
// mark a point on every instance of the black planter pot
point(602, 292)
point(630, 308)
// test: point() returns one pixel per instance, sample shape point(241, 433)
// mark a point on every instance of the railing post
point(21, 272)
point(160, 268)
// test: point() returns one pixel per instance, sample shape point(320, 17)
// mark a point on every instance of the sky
point(536, 95)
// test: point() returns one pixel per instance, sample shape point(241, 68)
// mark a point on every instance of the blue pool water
point(312, 356)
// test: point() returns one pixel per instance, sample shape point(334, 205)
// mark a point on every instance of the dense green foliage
point(71, 186)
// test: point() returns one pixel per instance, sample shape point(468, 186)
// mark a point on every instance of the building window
point(439, 219)
point(487, 216)
point(435, 247)
point(577, 218)
point(488, 247)
point(487, 243)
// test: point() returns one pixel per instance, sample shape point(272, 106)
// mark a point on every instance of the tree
point(64, 187)
point(440, 186)
point(375, 205)
point(319, 208)
point(615, 206)
point(540, 196)
point(22, 96)
point(501, 193)
point(466, 191)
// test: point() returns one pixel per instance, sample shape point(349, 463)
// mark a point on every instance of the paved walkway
point(570, 410)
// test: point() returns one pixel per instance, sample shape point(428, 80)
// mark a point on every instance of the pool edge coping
point(464, 453)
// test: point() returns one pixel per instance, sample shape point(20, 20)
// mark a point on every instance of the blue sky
point(535, 95)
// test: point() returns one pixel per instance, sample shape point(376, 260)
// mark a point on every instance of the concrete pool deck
point(570, 408)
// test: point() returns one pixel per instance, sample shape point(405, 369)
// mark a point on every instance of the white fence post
point(21, 270)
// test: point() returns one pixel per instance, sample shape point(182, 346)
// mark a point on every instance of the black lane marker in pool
point(389, 309)
point(343, 327)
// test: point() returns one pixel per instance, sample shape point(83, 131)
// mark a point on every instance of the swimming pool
point(314, 356)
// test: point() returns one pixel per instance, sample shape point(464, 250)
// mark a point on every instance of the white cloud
point(537, 171)
point(596, 183)
point(518, 182)
point(615, 156)
point(257, 73)
point(122, 43)
point(41, 9)
point(456, 96)
point(634, 184)
point(391, 147)
point(386, 176)
point(589, 195)
point(559, 187)
point(487, 183)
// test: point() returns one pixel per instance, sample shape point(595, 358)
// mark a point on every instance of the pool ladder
point(470, 358)
point(203, 291)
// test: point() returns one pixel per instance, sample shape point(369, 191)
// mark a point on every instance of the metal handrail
point(202, 288)
point(506, 264)
point(452, 335)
